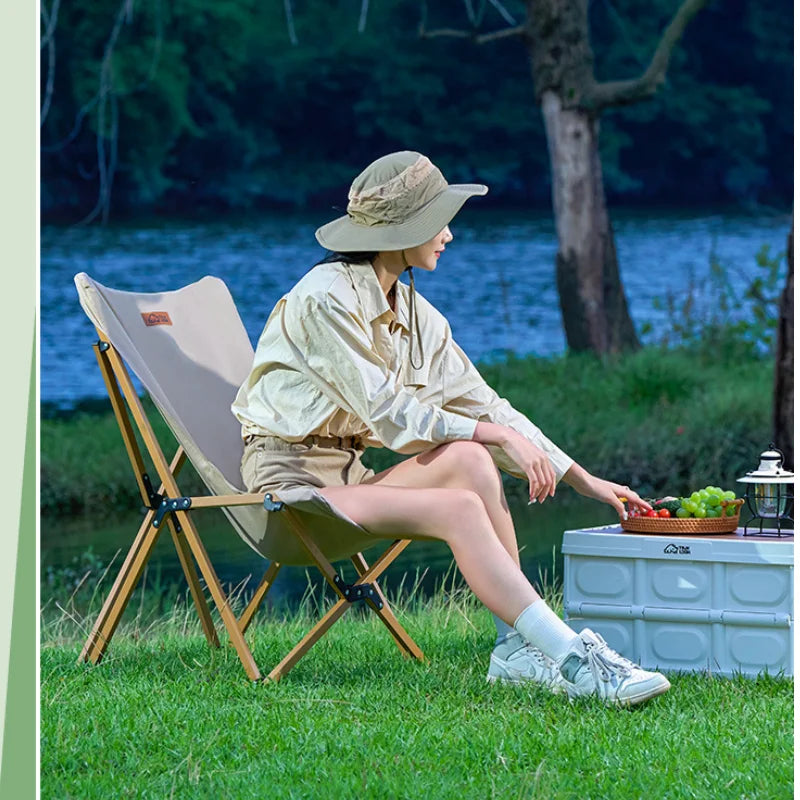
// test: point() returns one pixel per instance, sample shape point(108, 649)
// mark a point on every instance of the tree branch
point(362, 20)
point(287, 7)
point(50, 20)
point(450, 32)
point(503, 11)
point(478, 38)
point(471, 16)
point(617, 93)
point(503, 33)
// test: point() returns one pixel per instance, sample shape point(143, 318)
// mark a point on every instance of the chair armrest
point(268, 500)
point(176, 504)
point(223, 500)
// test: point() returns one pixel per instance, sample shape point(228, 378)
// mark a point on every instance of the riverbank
point(662, 421)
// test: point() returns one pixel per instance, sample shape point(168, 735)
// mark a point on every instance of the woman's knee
point(462, 512)
point(472, 466)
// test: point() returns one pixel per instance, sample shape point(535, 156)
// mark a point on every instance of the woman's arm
point(605, 491)
point(531, 459)
point(542, 477)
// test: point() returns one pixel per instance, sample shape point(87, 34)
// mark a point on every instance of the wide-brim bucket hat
point(399, 201)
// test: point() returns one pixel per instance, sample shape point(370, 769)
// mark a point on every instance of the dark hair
point(348, 258)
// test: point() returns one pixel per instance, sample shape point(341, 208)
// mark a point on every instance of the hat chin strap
point(413, 321)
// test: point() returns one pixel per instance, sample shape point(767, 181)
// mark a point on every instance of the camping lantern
point(769, 495)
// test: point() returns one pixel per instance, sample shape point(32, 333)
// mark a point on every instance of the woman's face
point(426, 256)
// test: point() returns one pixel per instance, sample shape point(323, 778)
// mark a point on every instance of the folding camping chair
point(191, 352)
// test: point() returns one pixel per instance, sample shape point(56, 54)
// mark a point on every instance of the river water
point(495, 284)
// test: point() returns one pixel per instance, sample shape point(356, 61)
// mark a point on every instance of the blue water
point(496, 283)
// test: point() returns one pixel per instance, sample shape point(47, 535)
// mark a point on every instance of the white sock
point(503, 629)
point(540, 626)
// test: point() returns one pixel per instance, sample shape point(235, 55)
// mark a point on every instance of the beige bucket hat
point(399, 201)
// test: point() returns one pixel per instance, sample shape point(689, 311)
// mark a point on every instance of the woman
point(351, 357)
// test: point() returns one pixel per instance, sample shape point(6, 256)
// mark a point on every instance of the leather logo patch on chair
point(156, 318)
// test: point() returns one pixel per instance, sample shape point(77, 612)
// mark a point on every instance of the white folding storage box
point(719, 603)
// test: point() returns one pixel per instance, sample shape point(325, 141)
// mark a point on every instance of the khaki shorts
point(294, 473)
point(270, 464)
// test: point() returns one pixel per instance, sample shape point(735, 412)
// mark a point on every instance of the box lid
point(735, 548)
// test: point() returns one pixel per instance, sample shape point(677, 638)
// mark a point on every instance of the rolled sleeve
point(341, 360)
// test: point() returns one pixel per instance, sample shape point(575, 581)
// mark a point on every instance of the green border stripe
point(18, 770)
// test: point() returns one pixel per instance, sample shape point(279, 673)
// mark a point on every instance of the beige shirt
point(333, 360)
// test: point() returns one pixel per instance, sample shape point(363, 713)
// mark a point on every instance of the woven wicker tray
point(690, 525)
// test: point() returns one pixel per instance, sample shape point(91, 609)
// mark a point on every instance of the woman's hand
point(605, 491)
point(532, 460)
point(535, 464)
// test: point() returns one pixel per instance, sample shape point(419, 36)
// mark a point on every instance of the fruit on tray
point(705, 503)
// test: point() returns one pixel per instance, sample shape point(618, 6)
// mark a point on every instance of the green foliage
point(660, 420)
point(84, 467)
point(718, 128)
point(218, 109)
point(710, 310)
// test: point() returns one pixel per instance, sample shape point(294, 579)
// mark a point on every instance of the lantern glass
point(770, 500)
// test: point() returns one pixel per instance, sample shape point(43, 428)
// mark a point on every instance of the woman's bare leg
point(459, 465)
point(455, 516)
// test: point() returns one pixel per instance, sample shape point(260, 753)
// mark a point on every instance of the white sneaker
point(591, 667)
point(516, 661)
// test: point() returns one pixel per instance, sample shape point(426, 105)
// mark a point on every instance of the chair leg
point(185, 557)
point(258, 596)
point(117, 600)
point(369, 574)
point(220, 600)
point(309, 640)
point(401, 638)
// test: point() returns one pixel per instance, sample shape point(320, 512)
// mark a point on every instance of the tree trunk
point(593, 304)
point(556, 35)
point(783, 398)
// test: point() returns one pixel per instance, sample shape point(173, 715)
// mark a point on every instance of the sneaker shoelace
point(537, 654)
point(605, 662)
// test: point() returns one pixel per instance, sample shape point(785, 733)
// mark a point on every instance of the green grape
point(715, 512)
point(682, 513)
point(704, 494)
point(685, 502)
point(701, 512)
point(729, 495)
point(731, 511)
point(713, 500)
point(695, 497)
point(710, 489)
point(691, 506)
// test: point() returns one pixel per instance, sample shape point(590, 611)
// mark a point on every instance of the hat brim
point(343, 235)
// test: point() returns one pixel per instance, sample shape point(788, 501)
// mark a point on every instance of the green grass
point(164, 716)
point(661, 420)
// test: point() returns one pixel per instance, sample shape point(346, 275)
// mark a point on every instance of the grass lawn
point(164, 716)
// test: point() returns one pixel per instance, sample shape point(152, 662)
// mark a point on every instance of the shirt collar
point(375, 303)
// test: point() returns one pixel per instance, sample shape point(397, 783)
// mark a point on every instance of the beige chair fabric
point(191, 353)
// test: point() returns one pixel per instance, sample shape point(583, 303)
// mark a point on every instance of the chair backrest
point(191, 352)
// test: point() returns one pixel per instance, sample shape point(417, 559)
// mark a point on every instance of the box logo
point(156, 318)
point(678, 549)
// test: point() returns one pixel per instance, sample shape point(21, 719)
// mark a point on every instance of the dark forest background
point(206, 106)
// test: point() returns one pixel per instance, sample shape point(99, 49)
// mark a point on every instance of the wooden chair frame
point(168, 504)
